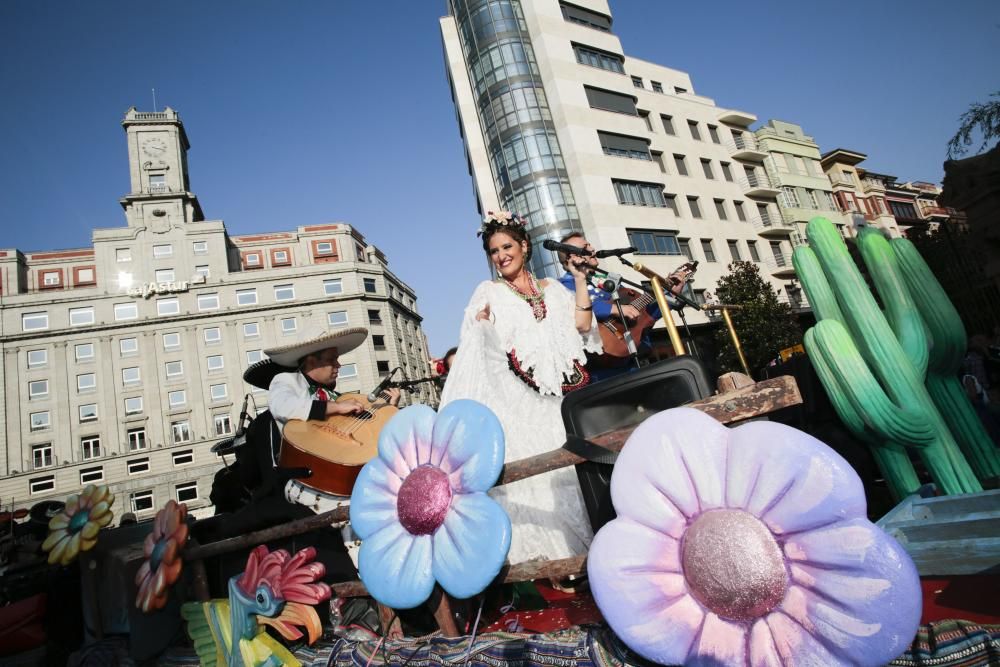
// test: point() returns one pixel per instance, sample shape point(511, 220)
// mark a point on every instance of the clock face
point(154, 147)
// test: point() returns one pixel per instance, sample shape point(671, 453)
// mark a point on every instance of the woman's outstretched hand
point(484, 314)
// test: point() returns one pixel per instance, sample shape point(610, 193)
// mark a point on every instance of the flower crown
point(502, 219)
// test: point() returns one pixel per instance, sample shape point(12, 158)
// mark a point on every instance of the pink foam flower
point(747, 546)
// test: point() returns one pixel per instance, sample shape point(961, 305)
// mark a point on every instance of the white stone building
point(562, 126)
point(123, 362)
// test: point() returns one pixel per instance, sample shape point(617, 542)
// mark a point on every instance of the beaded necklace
point(535, 297)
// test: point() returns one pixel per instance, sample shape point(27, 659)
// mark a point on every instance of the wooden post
point(442, 612)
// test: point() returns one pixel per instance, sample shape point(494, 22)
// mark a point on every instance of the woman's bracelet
point(584, 308)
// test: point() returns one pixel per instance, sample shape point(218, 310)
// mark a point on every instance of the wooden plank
point(955, 557)
point(442, 613)
point(753, 401)
point(981, 524)
point(942, 507)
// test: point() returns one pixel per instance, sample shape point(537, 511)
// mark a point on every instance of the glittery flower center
point(78, 521)
point(423, 500)
point(733, 565)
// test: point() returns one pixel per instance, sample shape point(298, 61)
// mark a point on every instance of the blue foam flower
point(421, 510)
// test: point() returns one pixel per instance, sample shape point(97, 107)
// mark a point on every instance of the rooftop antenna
point(154, 99)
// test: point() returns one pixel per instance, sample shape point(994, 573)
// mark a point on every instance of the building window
point(903, 210)
point(202, 270)
point(288, 325)
point(79, 317)
point(39, 420)
point(608, 61)
point(175, 369)
point(130, 375)
point(91, 475)
point(634, 193)
point(91, 447)
point(183, 458)
point(779, 257)
point(181, 431)
point(620, 145)
point(215, 362)
point(754, 255)
point(789, 197)
point(740, 213)
point(713, 131)
point(84, 276)
point(177, 398)
point(84, 351)
point(657, 86)
point(34, 321)
point(41, 456)
point(648, 242)
point(167, 307)
point(208, 301)
point(585, 17)
point(284, 292)
point(607, 100)
point(252, 260)
point(382, 366)
point(51, 278)
point(223, 425)
point(126, 311)
point(246, 297)
point(251, 329)
point(199, 247)
point(637, 81)
point(186, 492)
point(671, 203)
point(695, 133)
point(127, 346)
point(38, 389)
point(348, 371)
point(38, 358)
point(828, 201)
point(136, 439)
point(219, 391)
point(324, 248)
point(681, 165)
point(706, 249)
point(337, 318)
point(379, 342)
point(374, 317)
point(685, 247)
point(164, 275)
point(727, 173)
point(668, 124)
point(279, 258)
point(695, 208)
point(41, 484)
point(679, 91)
point(253, 356)
point(163, 250)
point(813, 200)
point(720, 209)
point(133, 405)
point(765, 217)
point(706, 167)
point(88, 412)
point(333, 286)
point(370, 285)
point(86, 382)
point(141, 501)
point(212, 335)
point(734, 250)
point(123, 254)
point(171, 341)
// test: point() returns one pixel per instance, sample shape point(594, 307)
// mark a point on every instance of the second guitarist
point(605, 310)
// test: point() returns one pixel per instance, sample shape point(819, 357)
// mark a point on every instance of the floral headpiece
point(502, 219)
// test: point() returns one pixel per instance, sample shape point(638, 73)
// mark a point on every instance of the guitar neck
point(641, 301)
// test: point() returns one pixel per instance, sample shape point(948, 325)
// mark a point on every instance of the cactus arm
point(900, 310)
point(973, 439)
point(891, 422)
point(817, 287)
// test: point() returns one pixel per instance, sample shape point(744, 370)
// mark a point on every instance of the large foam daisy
point(421, 509)
point(75, 528)
point(747, 546)
point(163, 548)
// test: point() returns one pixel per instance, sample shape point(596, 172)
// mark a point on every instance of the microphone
point(549, 244)
point(384, 384)
point(614, 252)
point(240, 431)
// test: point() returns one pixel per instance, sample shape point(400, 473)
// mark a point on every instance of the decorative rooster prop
point(276, 590)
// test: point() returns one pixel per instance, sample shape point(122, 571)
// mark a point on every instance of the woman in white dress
point(522, 346)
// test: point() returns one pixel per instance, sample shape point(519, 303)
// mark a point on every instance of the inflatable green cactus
point(946, 354)
point(872, 364)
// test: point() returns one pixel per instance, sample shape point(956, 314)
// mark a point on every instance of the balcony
point(838, 179)
point(797, 303)
point(781, 266)
point(872, 185)
point(159, 189)
point(771, 132)
point(736, 117)
point(745, 148)
point(757, 184)
point(935, 212)
point(769, 226)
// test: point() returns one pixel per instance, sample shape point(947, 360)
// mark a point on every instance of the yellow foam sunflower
point(75, 528)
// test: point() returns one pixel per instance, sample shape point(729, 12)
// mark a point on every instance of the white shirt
point(289, 397)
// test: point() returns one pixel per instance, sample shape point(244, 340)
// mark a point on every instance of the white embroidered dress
point(547, 511)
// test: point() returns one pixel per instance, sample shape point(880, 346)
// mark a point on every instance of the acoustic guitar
point(335, 448)
point(613, 329)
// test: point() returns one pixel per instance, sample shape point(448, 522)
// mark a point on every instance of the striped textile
point(953, 643)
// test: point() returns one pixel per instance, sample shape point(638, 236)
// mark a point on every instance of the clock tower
point(157, 157)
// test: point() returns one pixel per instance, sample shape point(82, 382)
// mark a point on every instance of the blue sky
point(309, 112)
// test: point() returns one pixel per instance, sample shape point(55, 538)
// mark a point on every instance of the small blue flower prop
point(421, 510)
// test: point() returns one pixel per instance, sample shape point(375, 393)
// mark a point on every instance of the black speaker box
point(622, 401)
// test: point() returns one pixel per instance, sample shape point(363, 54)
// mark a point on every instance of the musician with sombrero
point(307, 390)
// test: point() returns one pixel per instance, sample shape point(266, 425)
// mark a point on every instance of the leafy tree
point(982, 115)
point(765, 326)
